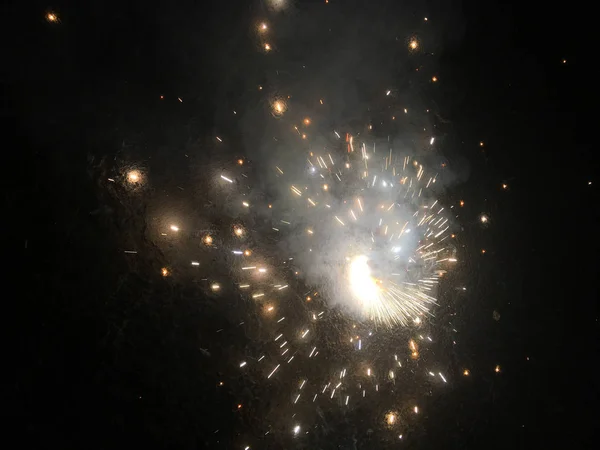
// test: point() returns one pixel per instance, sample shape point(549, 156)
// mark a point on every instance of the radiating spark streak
point(338, 219)
point(227, 179)
point(274, 370)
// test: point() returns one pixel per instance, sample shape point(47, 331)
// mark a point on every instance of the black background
point(96, 358)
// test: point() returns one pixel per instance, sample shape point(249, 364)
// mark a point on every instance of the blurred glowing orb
point(134, 176)
point(174, 228)
point(278, 107)
point(390, 418)
point(51, 17)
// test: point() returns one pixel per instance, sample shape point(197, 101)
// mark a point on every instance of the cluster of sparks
point(390, 213)
point(394, 243)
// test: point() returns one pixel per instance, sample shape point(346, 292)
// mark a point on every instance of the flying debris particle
point(388, 92)
point(174, 228)
point(242, 364)
point(229, 180)
point(434, 79)
point(466, 372)
point(297, 429)
point(497, 369)
point(481, 143)
point(215, 287)
point(164, 272)
point(431, 141)
point(195, 263)
point(219, 139)
point(51, 17)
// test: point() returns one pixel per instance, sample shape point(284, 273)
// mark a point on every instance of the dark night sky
point(105, 354)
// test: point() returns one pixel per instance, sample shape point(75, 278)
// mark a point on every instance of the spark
point(51, 17)
point(274, 370)
point(174, 228)
point(164, 271)
point(215, 287)
point(229, 180)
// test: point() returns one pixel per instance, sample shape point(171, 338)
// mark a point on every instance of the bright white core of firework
point(362, 284)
